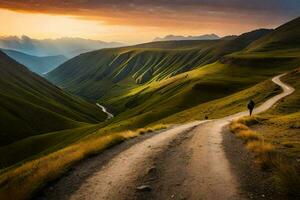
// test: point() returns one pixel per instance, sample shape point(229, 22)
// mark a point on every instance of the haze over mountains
point(180, 37)
point(37, 64)
point(68, 47)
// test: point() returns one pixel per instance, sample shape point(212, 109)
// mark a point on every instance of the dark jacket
point(251, 105)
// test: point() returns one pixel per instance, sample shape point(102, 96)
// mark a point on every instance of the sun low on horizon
point(138, 21)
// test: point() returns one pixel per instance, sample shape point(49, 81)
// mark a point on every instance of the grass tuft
point(248, 135)
point(286, 175)
point(236, 127)
point(249, 121)
point(260, 147)
point(151, 129)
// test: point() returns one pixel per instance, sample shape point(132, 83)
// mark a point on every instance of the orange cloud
point(157, 18)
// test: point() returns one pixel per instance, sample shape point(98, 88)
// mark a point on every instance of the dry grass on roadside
point(254, 142)
point(23, 181)
point(249, 135)
point(260, 147)
point(266, 155)
point(154, 128)
point(236, 127)
point(242, 131)
point(285, 173)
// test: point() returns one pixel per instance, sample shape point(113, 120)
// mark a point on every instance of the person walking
point(251, 106)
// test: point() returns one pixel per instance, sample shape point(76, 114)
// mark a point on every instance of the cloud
point(207, 15)
point(114, 9)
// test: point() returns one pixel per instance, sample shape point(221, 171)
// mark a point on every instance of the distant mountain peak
point(67, 46)
point(180, 37)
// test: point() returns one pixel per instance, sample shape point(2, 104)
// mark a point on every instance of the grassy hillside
point(51, 166)
point(32, 147)
point(187, 91)
point(36, 64)
point(281, 124)
point(93, 74)
point(112, 76)
point(158, 100)
point(30, 106)
point(274, 138)
point(153, 84)
point(284, 37)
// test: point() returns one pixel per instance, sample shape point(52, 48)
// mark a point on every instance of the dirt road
point(184, 162)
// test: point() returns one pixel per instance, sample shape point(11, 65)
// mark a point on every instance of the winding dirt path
point(184, 162)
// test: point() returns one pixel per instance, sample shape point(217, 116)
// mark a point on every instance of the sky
point(135, 21)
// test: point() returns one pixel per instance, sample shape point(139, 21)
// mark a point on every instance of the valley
point(169, 164)
point(38, 64)
point(151, 121)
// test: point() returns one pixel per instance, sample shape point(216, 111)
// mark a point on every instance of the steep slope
point(232, 73)
point(40, 65)
point(29, 105)
point(93, 74)
point(151, 102)
point(284, 37)
point(279, 47)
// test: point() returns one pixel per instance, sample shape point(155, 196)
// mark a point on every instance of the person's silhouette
point(250, 106)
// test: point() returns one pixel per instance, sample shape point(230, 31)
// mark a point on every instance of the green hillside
point(29, 105)
point(36, 64)
point(284, 37)
point(280, 47)
point(281, 124)
point(93, 74)
point(172, 81)
point(186, 91)
point(155, 80)
point(146, 85)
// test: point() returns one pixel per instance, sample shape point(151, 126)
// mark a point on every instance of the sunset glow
point(134, 22)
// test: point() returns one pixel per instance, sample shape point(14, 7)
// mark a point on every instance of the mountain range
point(179, 37)
point(37, 64)
point(68, 47)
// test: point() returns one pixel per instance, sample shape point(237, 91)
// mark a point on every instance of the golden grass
point(22, 182)
point(286, 175)
point(248, 135)
point(236, 127)
point(260, 147)
point(243, 131)
point(153, 128)
point(249, 120)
